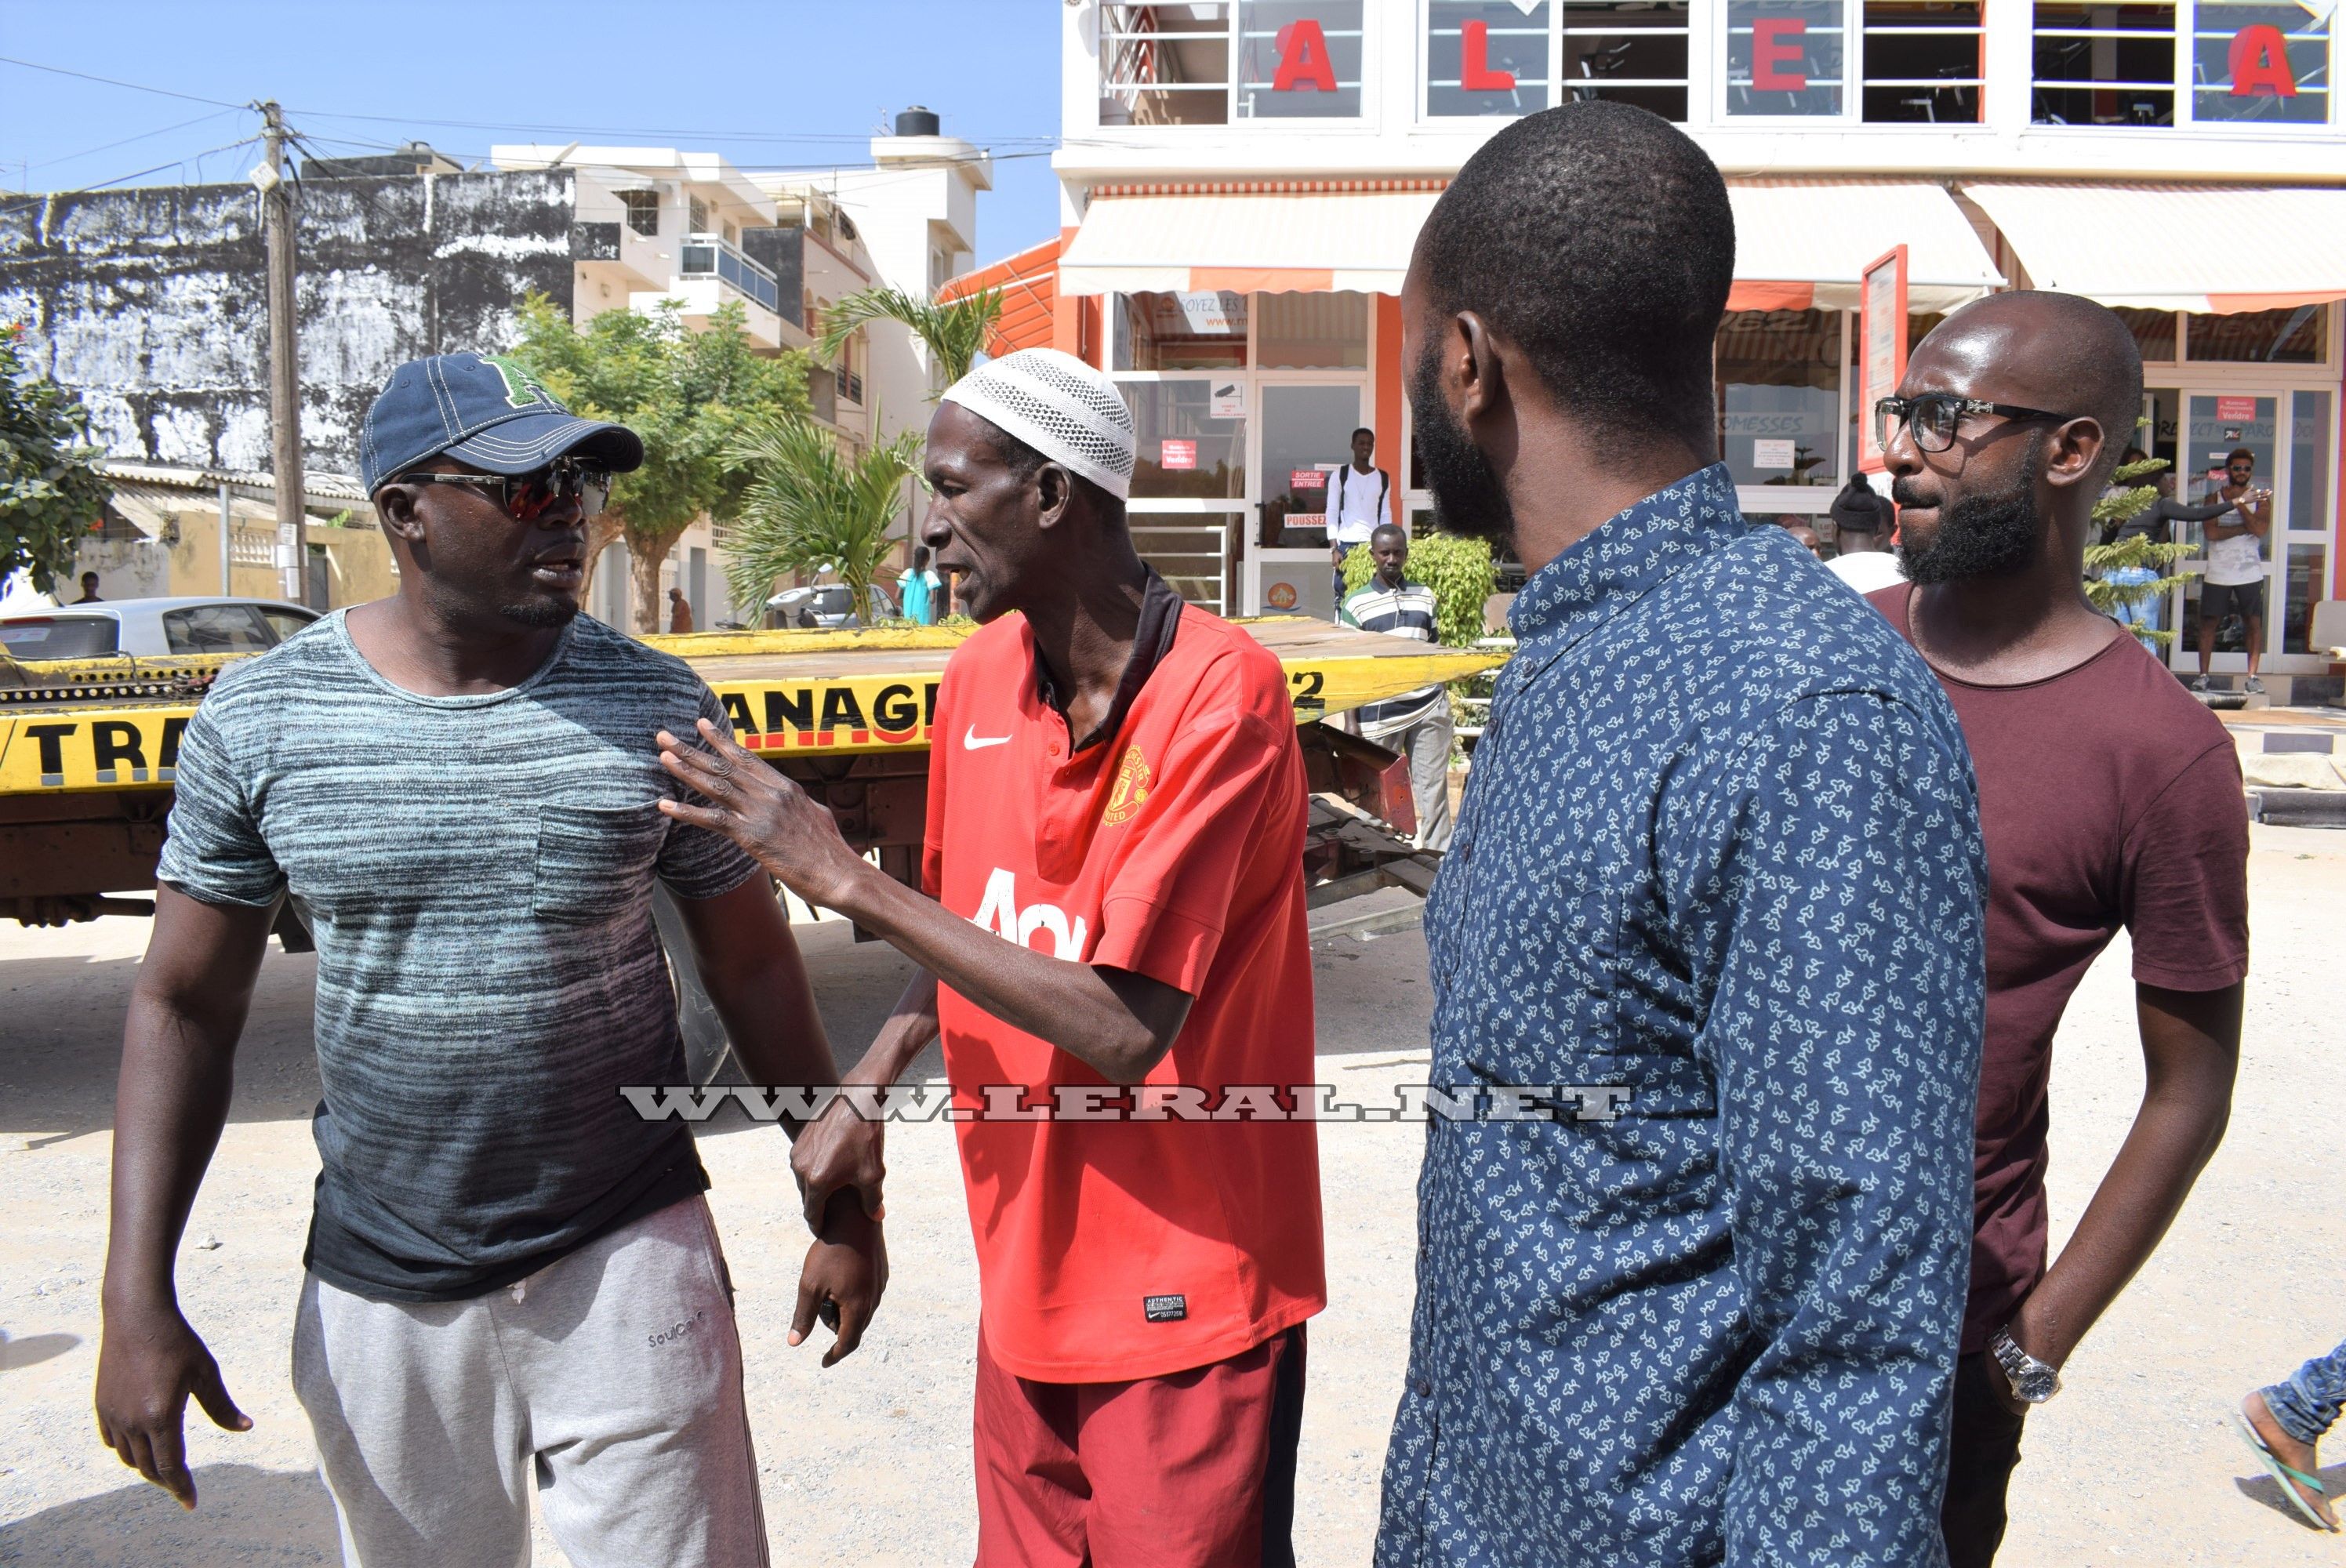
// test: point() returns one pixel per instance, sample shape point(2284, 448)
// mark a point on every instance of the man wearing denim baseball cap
point(512, 1282)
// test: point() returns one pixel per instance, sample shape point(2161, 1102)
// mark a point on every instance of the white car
point(155, 628)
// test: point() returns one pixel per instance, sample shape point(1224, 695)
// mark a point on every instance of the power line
point(113, 82)
point(583, 131)
point(126, 141)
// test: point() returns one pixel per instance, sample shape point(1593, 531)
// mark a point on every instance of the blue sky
point(786, 83)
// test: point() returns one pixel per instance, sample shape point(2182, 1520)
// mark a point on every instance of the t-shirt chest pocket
point(594, 860)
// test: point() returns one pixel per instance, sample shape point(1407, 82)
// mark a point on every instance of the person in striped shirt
point(1415, 724)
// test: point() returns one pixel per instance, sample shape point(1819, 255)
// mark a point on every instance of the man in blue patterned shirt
point(1720, 849)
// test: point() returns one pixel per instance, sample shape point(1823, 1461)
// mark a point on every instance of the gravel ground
point(868, 1463)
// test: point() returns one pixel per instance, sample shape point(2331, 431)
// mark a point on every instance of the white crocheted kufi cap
point(1061, 407)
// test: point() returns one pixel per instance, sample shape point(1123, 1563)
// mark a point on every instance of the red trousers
point(1193, 1470)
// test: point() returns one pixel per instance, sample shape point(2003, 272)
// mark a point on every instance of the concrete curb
point(2298, 808)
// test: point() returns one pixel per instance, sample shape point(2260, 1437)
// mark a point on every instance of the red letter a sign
point(1303, 58)
point(2261, 62)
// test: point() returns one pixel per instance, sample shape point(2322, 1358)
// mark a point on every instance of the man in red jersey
point(1112, 942)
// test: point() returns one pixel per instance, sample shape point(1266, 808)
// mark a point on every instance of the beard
point(1468, 499)
point(1995, 534)
point(545, 612)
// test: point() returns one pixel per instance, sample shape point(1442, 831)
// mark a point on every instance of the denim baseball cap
point(483, 410)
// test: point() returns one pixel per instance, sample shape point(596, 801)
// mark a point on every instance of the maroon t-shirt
point(2108, 797)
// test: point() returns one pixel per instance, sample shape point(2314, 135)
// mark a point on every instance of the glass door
point(2217, 424)
point(1307, 434)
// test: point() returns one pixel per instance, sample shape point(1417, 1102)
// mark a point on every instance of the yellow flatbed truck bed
point(88, 748)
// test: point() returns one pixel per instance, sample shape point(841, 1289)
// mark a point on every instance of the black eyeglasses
point(1933, 416)
point(526, 497)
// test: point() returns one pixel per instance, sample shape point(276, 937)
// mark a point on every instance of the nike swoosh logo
point(971, 740)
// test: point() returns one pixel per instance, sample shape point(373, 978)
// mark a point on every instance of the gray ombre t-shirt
point(478, 871)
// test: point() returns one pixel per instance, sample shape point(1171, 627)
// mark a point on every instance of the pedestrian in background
point(2109, 797)
point(919, 585)
point(1717, 856)
point(2234, 583)
point(89, 590)
point(1861, 523)
point(679, 611)
point(2155, 521)
point(1357, 499)
point(1416, 724)
point(2284, 1423)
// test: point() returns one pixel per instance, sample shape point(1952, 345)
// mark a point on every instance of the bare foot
point(2289, 1451)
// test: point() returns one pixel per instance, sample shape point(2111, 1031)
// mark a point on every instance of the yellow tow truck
point(88, 748)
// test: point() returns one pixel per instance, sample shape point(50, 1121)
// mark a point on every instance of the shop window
point(643, 211)
point(1181, 451)
point(1628, 51)
point(2310, 428)
point(2154, 332)
point(1311, 331)
point(1779, 396)
point(1205, 329)
point(2304, 575)
point(2285, 337)
point(1785, 57)
point(1924, 60)
point(1486, 57)
point(1165, 65)
point(2260, 60)
point(1299, 59)
point(2098, 65)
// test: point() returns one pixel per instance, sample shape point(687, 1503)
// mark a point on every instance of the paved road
point(868, 1463)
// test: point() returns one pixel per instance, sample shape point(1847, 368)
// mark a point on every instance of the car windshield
point(59, 637)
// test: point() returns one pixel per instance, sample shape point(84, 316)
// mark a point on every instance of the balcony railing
point(706, 254)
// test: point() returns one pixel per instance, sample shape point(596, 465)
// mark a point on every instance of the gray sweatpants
point(1426, 743)
point(611, 1378)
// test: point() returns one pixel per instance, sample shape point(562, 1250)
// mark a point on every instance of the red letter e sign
point(2261, 63)
point(1777, 46)
point(1302, 58)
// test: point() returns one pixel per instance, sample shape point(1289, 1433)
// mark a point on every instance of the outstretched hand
point(794, 837)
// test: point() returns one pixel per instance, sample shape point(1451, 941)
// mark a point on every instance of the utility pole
point(284, 364)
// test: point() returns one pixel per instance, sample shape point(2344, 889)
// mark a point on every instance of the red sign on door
point(2231, 409)
point(1176, 455)
point(1305, 479)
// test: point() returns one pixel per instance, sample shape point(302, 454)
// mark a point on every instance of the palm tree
point(813, 508)
point(955, 331)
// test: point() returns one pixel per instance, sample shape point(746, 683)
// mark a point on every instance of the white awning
point(1797, 245)
point(1278, 241)
point(2174, 247)
point(1802, 245)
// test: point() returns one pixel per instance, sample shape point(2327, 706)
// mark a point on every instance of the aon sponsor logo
point(999, 913)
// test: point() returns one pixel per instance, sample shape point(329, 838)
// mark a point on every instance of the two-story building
point(1243, 181)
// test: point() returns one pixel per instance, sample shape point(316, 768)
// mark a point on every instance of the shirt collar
point(1633, 551)
point(1152, 641)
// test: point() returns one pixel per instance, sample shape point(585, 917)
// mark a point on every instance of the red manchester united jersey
point(1133, 1245)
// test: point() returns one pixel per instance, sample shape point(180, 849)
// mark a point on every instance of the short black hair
point(1597, 237)
point(2238, 452)
point(1364, 430)
point(1389, 528)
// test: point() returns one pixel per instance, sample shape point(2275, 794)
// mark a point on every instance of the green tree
point(690, 395)
point(811, 507)
point(954, 330)
point(51, 488)
point(2157, 556)
point(1458, 569)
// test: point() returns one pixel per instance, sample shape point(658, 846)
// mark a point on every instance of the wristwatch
point(2033, 1382)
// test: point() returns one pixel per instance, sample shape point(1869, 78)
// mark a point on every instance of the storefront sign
point(1227, 400)
point(2231, 409)
point(2259, 62)
point(1176, 455)
point(1881, 340)
point(1772, 453)
point(1305, 479)
point(1778, 47)
point(1302, 58)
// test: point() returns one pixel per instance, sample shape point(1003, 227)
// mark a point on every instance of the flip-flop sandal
point(2285, 1475)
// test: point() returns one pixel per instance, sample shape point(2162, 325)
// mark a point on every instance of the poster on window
point(1882, 350)
point(1227, 399)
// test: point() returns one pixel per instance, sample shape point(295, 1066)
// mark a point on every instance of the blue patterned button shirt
point(1721, 847)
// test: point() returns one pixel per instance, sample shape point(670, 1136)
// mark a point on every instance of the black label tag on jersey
point(1165, 1308)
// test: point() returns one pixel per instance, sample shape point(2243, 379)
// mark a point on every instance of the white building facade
point(1243, 181)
